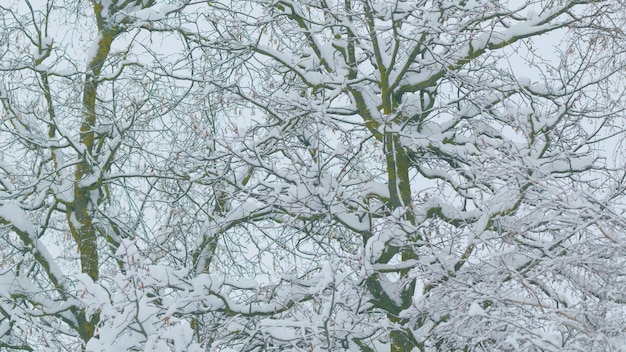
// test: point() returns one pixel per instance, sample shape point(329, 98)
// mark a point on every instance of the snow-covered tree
point(312, 175)
point(98, 137)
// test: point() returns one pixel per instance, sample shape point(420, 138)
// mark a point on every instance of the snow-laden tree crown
point(315, 175)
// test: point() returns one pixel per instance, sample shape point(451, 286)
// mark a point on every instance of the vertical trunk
point(400, 197)
point(86, 183)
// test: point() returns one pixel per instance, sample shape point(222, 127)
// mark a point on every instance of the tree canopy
point(315, 175)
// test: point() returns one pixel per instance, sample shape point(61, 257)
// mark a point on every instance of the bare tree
point(450, 174)
point(97, 136)
point(311, 175)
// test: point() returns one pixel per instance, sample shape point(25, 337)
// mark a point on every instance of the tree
point(311, 175)
point(87, 106)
